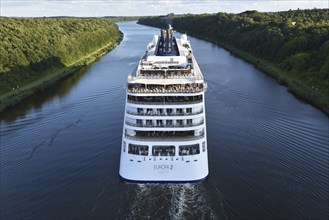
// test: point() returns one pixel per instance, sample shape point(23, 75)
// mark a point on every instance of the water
point(268, 151)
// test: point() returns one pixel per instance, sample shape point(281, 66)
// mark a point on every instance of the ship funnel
point(169, 39)
point(163, 35)
point(167, 43)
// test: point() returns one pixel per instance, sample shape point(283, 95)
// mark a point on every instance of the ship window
point(159, 150)
point(179, 122)
point(179, 111)
point(149, 111)
point(189, 121)
point(158, 99)
point(159, 111)
point(189, 110)
point(169, 123)
point(159, 123)
point(169, 98)
point(189, 149)
point(138, 149)
point(169, 111)
point(140, 110)
point(149, 123)
point(139, 122)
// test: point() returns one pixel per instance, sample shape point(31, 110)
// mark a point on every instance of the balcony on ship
point(175, 88)
point(166, 73)
point(165, 135)
point(161, 124)
point(159, 150)
point(164, 150)
point(165, 112)
point(160, 100)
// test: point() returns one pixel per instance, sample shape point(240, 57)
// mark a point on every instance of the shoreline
point(293, 85)
point(54, 75)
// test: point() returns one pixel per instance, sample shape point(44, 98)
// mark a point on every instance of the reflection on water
point(35, 102)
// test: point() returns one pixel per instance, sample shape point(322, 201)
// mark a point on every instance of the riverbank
point(52, 76)
point(296, 87)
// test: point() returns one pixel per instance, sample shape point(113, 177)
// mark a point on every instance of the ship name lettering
point(163, 167)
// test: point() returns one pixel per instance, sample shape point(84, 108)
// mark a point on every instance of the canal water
point(268, 151)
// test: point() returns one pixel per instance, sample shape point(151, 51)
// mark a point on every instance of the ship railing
point(159, 125)
point(183, 76)
point(197, 69)
point(157, 90)
point(164, 138)
point(152, 113)
point(164, 103)
point(170, 73)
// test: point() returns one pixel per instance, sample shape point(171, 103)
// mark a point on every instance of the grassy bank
point(50, 77)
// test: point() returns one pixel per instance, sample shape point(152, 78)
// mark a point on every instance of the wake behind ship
point(164, 132)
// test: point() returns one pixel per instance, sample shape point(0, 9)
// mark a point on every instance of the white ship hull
point(164, 132)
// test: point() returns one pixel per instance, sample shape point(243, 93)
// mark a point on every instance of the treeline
point(123, 18)
point(293, 45)
point(30, 46)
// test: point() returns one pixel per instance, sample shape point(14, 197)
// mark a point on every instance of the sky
point(99, 8)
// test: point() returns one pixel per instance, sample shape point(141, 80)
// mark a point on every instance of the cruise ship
point(164, 132)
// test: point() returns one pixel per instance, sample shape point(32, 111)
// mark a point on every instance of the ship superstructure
point(164, 132)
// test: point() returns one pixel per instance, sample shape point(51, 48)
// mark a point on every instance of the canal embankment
point(39, 52)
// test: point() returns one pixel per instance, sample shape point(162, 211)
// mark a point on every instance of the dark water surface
point(268, 151)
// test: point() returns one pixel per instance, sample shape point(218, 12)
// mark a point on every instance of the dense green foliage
point(295, 43)
point(31, 46)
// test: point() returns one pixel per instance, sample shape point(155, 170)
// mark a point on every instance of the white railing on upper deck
point(154, 125)
point(163, 76)
point(198, 72)
point(153, 113)
point(165, 103)
point(164, 138)
point(163, 90)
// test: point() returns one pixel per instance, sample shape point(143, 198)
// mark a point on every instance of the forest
point(292, 46)
point(32, 48)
